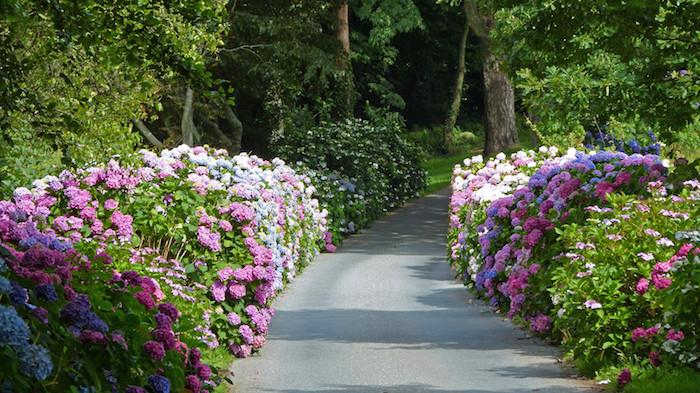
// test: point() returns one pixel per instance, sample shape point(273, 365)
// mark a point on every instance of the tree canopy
point(85, 80)
point(626, 67)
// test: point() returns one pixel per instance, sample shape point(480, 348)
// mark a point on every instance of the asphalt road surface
point(384, 315)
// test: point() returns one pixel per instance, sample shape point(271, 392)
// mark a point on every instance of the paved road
point(383, 315)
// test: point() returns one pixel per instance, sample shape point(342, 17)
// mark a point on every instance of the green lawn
point(440, 167)
point(682, 380)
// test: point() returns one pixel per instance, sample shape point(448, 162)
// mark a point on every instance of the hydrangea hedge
point(588, 248)
point(362, 168)
point(148, 260)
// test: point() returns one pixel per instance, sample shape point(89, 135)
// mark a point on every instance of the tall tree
point(626, 67)
point(499, 100)
point(378, 23)
point(343, 36)
point(458, 88)
point(80, 75)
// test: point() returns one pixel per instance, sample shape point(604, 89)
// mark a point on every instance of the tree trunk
point(343, 31)
point(456, 103)
point(499, 104)
point(236, 127)
point(187, 123)
point(343, 36)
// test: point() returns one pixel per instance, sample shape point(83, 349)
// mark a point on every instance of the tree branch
point(147, 133)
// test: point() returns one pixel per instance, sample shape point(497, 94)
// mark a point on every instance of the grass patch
point(683, 380)
point(440, 169)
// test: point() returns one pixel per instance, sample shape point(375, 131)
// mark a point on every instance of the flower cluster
point(536, 234)
point(603, 140)
point(111, 246)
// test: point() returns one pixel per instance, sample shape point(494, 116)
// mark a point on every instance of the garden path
point(384, 315)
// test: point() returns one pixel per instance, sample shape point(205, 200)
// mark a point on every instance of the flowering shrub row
point(571, 244)
point(149, 259)
point(363, 169)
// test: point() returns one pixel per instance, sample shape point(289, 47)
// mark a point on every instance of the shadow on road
point(415, 388)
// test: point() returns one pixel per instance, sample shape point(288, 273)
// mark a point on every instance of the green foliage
point(663, 380)
point(78, 71)
point(373, 47)
point(372, 158)
point(439, 169)
point(619, 253)
point(281, 58)
point(625, 65)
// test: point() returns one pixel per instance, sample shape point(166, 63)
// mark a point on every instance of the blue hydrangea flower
point(159, 383)
point(5, 286)
point(35, 361)
point(19, 295)
point(13, 330)
point(18, 215)
point(3, 265)
point(59, 245)
point(78, 314)
point(46, 292)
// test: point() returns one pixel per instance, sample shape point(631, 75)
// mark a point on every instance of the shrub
point(61, 311)
point(373, 157)
point(586, 248)
point(215, 236)
point(650, 288)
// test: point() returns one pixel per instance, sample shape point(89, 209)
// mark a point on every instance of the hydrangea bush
point(363, 168)
point(61, 311)
point(584, 248)
point(644, 299)
point(213, 237)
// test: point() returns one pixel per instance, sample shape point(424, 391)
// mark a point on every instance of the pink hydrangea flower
point(247, 333)
point(661, 282)
point(77, 199)
point(592, 304)
point(638, 333)
point(646, 256)
point(123, 223)
point(225, 273)
point(225, 226)
point(237, 291)
point(234, 319)
point(642, 286)
point(111, 204)
point(541, 323)
point(209, 239)
point(624, 377)
point(240, 351)
point(652, 232)
point(675, 335)
point(218, 291)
